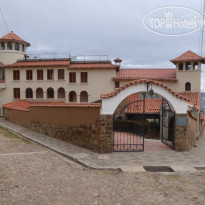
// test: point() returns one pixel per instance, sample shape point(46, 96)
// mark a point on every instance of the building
point(67, 82)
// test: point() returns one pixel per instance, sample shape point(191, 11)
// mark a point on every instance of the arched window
point(50, 93)
point(2, 46)
point(188, 66)
point(181, 66)
point(9, 46)
point(196, 66)
point(61, 93)
point(39, 93)
point(72, 96)
point(83, 96)
point(17, 47)
point(29, 93)
point(188, 86)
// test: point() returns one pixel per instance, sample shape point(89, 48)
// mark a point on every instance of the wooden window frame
point(61, 74)
point(72, 77)
point(16, 74)
point(29, 74)
point(39, 74)
point(84, 77)
point(16, 93)
point(50, 74)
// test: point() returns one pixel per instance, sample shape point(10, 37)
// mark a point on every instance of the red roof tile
point(153, 74)
point(151, 105)
point(18, 105)
point(189, 55)
point(136, 82)
point(193, 97)
point(12, 36)
point(39, 63)
point(25, 105)
point(93, 65)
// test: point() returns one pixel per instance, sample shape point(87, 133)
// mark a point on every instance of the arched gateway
point(129, 128)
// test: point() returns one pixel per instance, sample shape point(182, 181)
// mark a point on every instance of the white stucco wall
point(109, 105)
point(99, 81)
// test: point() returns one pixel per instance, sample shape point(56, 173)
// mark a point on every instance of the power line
point(4, 21)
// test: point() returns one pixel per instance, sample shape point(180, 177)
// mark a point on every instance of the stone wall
point(185, 135)
point(83, 127)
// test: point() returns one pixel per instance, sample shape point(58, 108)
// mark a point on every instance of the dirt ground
point(31, 174)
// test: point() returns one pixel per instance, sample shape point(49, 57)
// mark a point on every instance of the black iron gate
point(167, 124)
point(129, 134)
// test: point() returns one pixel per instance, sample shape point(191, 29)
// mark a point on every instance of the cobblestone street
point(32, 174)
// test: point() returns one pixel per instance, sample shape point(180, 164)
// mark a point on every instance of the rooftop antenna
point(4, 21)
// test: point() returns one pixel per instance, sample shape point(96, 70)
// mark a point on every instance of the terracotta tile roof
point(13, 37)
point(189, 55)
point(39, 63)
point(193, 97)
point(25, 105)
point(136, 82)
point(18, 105)
point(93, 65)
point(152, 74)
point(152, 106)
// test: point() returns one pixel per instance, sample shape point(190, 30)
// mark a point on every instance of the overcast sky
point(98, 27)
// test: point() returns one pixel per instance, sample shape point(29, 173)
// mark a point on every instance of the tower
point(188, 72)
point(12, 48)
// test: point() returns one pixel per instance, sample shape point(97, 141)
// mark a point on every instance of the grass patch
point(7, 133)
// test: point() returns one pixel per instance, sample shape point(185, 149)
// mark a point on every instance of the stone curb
point(82, 162)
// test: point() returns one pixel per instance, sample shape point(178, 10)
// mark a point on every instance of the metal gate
point(167, 124)
point(129, 134)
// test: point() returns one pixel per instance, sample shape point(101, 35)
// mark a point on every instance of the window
point(2, 46)
point(16, 92)
point(9, 46)
point(117, 84)
point(196, 66)
point(188, 66)
point(50, 93)
point(60, 74)
point(72, 96)
point(50, 75)
point(61, 93)
point(29, 93)
point(181, 66)
point(17, 47)
point(39, 74)
point(188, 86)
point(84, 77)
point(83, 96)
point(16, 75)
point(29, 75)
point(23, 48)
point(39, 93)
point(72, 77)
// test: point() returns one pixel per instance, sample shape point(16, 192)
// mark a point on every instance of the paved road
point(196, 157)
point(31, 174)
